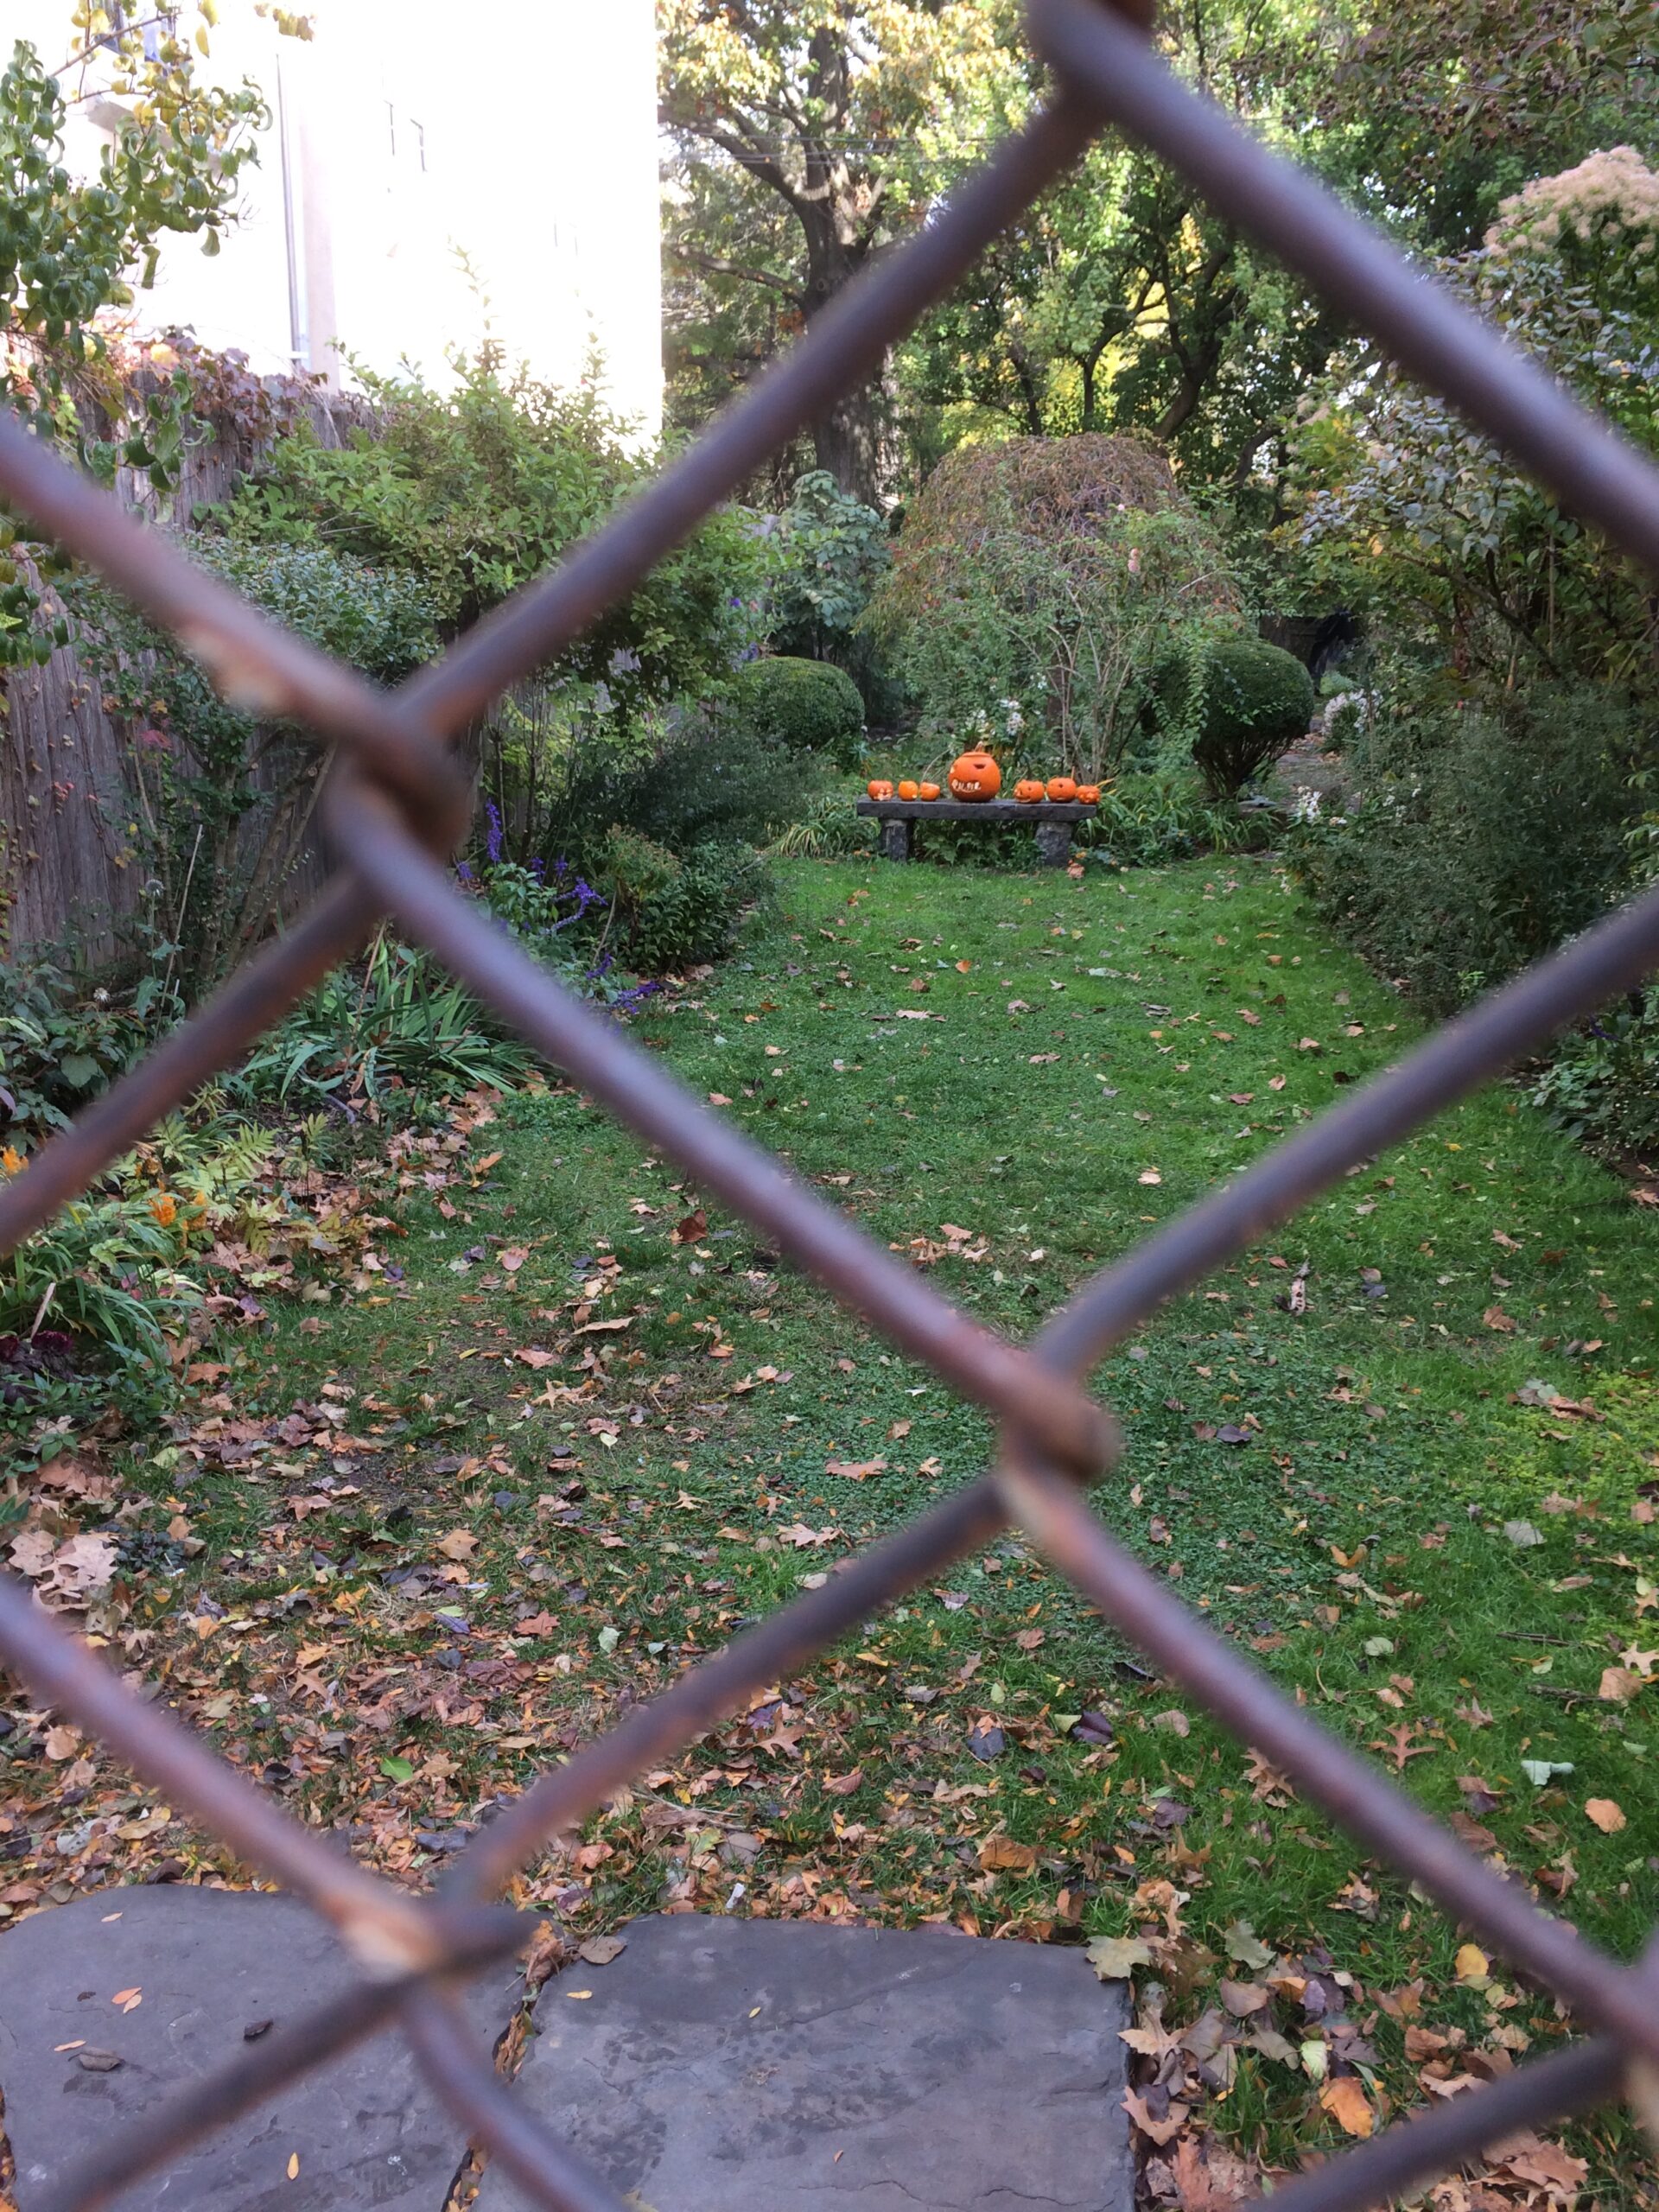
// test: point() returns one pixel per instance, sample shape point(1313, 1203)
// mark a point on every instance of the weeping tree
point(1053, 585)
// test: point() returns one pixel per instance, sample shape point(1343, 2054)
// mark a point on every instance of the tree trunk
point(855, 439)
point(856, 442)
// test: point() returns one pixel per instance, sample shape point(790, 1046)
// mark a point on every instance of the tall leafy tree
point(1448, 109)
point(1123, 301)
point(842, 118)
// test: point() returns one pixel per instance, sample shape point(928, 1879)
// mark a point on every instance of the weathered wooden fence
point(67, 873)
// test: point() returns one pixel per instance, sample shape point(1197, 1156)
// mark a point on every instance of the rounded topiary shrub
point(1257, 700)
point(809, 705)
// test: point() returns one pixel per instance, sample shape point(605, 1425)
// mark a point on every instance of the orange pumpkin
point(1088, 794)
point(1062, 788)
point(927, 790)
point(974, 776)
point(907, 790)
point(1029, 790)
point(880, 789)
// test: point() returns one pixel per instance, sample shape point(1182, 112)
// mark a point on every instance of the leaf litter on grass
point(449, 1522)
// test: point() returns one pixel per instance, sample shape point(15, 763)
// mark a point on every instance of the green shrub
point(1603, 1084)
point(670, 910)
point(1154, 816)
point(830, 553)
point(829, 828)
point(61, 1042)
point(396, 1036)
point(809, 706)
point(1052, 577)
point(707, 784)
point(1257, 700)
point(478, 488)
point(1498, 837)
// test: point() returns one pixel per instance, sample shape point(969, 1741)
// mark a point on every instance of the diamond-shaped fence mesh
point(396, 805)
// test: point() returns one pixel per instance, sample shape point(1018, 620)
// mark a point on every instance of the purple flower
point(538, 868)
point(493, 834)
point(463, 874)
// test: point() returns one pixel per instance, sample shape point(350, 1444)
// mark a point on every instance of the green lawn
point(1444, 1574)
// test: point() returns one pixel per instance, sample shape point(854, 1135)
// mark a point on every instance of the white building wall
point(520, 133)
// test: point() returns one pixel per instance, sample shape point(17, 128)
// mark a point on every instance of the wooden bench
point(1050, 819)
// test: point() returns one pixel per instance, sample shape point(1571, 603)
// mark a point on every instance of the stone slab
point(794, 2066)
point(963, 810)
point(208, 1964)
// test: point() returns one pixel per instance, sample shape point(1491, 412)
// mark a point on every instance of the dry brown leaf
point(1001, 1854)
point(1617, 1684)
point(1159, 2131)
point(1607, 1814)
point(1344, 2097)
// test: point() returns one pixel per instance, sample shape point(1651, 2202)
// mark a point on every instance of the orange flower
point(12, 1161)
point(165, 1207)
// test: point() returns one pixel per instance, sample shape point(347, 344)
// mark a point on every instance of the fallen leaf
point(855, 1470)
point(1344, 2097)
point(1606, 1814)
point(1618, 1685)
point(1114, 1958)
point(1246, 1945)
point(1244, 1998)
point(1092, 1728)
point(1001, 1854)
point(1159, 2131)
point(1175, 1722)
point(460, 1543)
point(1472, 1966)
point(600, 1950)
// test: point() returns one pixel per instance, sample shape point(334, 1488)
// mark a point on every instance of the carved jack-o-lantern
point(974, 776)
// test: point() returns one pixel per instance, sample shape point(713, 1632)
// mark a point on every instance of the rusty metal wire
point(396, 808)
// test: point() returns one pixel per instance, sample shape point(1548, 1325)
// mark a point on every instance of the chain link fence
point(397, 807)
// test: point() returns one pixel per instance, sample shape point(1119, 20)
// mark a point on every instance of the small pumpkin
point(1088, 794)
point(907, 790)
point(974, 776)
point(879, 788)
point(1029, 790)
point(1062, 789)
point(927, 790)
